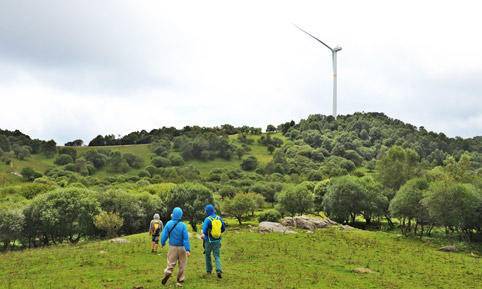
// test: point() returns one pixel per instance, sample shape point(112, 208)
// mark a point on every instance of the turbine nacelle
point(336, 49)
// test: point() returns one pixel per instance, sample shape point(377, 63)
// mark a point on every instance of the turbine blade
point(313, 37)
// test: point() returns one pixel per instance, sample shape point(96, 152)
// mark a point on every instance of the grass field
point(324, 259)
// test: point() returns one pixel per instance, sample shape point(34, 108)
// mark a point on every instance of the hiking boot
point(220, 275)
point(164, 280)
point(179, 283)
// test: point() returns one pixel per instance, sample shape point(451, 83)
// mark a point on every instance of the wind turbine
point(333, 57)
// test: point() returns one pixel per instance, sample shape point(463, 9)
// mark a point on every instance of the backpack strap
point(169, 233)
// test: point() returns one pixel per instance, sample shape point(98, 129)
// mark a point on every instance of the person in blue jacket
point(179, 247)
point(212, 244)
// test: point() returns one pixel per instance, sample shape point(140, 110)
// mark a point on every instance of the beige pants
point(174, 255)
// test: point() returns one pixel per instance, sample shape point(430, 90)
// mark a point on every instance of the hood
point(209, 209)
point(176, 213)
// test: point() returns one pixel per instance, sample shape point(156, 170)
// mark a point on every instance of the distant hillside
point(299, 148)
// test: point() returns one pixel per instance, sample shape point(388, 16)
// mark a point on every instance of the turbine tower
point(333, 57)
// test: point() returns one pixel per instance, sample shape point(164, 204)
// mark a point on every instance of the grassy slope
point(324, 259)
point(41, 163)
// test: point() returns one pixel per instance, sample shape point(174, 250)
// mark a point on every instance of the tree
point(455, 206)
point(250, 163)
point(192, 198)
point(320, 190)
point(133, 161)
point(63, 160)
point(21, 152)
point(267, 189)
point(376, 203)
point(108, 222)
point(68, 151)
point(117, 164)
point(161, 162)
point(49, 148)
point(176, 160)
point(30, 174)
point(345, 199)
point(240, 206)
point(97, 141)
point(66, 213)
point(4, 143)
point(270, 128)
point(396, 166)
point(297, 200)
point(407, 204)
point(96, 158)
point(11, 225)
point(75, 143)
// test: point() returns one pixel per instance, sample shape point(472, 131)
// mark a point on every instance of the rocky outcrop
point(362, 271)
point(307, 223)
point(272, 227)
point(119, 241)
point(448, 249)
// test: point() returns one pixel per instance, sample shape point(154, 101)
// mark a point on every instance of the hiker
point(213, 227)
point(179, 248)
point(155, 229)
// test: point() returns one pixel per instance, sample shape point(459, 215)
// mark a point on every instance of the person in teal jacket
point(179, 247)
point(211, 244)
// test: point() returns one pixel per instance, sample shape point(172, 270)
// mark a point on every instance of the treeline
point(15, 144)
point(56, 215)
point(144, 137)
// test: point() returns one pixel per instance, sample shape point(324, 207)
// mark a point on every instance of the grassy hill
point(10, 174)
point(324, 259)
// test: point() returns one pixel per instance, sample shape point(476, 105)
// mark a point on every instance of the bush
point(272, 215)
point(11, 226)
point(108, 222)
point(227, 191)
point(30, 174)
point(176, 160)
point(62, 214)
point(29, 191)
point(407, 203)
point(161, 162)
point(250, 163)
point(297, 200)
point(454, 205)
point(63, 160)
point(240, 206)
point(133, 161)
point(192, 198)
point(68, 151)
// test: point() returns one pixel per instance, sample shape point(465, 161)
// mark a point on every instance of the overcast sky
point(75, 69)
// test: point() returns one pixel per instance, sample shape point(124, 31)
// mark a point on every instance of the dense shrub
point(133, 161)
point(192, 198)
point(297, 200)
point(63, 214)
point(161, 162)
point(11, 225)
point(250, 163)
point(108, 222)
point(30, 174)
point(240, 206)
point(63, 160)
point(271, 215)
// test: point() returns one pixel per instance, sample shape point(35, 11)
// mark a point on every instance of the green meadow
point(323, 259)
